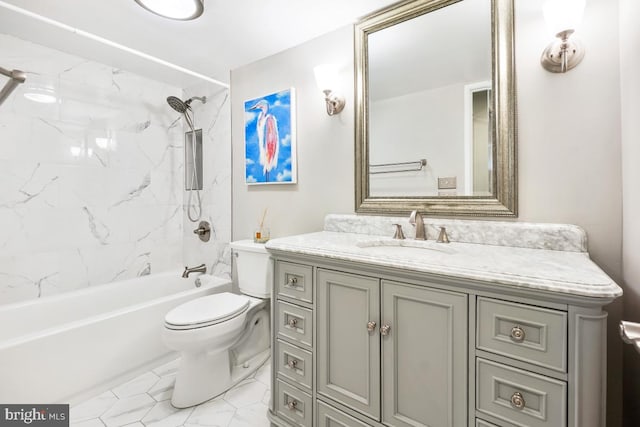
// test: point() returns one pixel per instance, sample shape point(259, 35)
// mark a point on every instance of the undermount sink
point(400, 247)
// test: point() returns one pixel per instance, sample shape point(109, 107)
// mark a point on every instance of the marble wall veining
point(90, 186)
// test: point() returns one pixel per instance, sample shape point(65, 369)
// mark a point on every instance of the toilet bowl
point(222, 338)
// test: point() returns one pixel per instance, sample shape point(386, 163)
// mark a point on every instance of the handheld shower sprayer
point(184, 108)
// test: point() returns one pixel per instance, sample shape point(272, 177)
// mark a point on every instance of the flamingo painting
point(270, 139)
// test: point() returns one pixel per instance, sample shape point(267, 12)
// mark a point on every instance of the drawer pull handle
point(293, 281)
point(292, 322)
point(371, 325)
point(292, 363)
point(292, 405)
point(384, 330)
point(517, 334)
point(517, 400)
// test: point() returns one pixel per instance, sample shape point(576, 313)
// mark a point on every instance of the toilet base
point(204, 376)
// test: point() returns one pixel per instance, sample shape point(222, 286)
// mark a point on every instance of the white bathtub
point(62, 348)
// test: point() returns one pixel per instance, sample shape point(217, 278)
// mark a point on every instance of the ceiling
point(229, 34)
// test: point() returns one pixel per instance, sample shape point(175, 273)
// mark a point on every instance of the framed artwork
point(269, 139)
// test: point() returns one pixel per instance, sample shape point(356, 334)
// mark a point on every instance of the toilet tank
point(253, 266)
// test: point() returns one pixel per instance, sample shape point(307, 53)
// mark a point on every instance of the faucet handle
point(398, 234)
point(442, 237)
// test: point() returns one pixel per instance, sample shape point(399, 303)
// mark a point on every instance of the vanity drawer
point(331, 417)
point(520, 397)
point(295, 323)
point(293, 405)
point(294, 281)
point(294, 363)
point(483, 423)
point(531, 334)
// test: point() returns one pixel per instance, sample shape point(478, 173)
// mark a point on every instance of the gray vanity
point(502, 327)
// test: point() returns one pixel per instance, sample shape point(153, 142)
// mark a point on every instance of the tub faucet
point(416, 220)
point(199, 269)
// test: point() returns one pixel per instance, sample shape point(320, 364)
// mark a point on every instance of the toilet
point(222, 338)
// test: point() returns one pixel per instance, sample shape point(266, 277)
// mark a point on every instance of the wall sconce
point(563, 17)
point(326, 78)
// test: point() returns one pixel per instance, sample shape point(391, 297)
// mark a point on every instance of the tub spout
point(199, 269)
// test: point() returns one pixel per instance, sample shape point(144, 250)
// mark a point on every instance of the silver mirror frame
point(504, 201)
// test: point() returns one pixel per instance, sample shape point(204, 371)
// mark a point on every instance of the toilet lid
point(206, 311)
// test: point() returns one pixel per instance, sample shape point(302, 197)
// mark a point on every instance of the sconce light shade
point(326, 79)
point(182, 10)
point(563, 17)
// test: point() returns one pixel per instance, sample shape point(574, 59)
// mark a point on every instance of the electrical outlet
point(447, 183)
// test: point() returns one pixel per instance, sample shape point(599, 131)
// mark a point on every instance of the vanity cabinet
point(356, 344)
point(376, 352)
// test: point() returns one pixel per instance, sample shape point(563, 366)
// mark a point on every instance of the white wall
point(90, 186)
point(325, 144)
point(569, 154)
point(630, 90)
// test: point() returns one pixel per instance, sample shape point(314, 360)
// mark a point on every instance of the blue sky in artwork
point(280, 107)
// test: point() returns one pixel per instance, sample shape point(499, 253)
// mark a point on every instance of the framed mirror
point(435, 109)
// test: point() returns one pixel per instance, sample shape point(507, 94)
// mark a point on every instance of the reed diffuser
point(262, 234)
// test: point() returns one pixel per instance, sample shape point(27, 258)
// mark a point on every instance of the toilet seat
point(206, 311)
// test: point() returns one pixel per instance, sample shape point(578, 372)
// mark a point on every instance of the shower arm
point(16, 77)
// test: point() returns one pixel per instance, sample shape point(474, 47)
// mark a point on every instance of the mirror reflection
point(429, 98)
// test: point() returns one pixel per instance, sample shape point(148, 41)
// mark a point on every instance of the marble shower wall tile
point(91, 186)
point(214, 118)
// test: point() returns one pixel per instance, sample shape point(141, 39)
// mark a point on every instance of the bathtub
point(63, 348)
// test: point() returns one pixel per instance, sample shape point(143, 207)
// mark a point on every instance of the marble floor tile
point(128, 410)
point(95, 422)
point(247, 392)
point(165, 415)
point(254, 415)
point(214, 413)
point(136, 386)
point(163, 388)
point(169, 368)
point(145, 402)
point(93, 408)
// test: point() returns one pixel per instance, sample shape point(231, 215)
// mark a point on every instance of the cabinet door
point(424, 356)
point(348, 354)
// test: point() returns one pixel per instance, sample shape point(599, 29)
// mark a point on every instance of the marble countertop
point(566, 272)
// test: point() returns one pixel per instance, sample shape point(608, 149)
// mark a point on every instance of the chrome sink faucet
point(198, 269)
point(416, 220)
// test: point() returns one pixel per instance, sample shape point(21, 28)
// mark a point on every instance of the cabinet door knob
point(384, 330)
point(292, 281)
point(517, 400)
point(517, 334)
point(292, 363)
point(371, 325)
point(292, 322)
point(292, 405)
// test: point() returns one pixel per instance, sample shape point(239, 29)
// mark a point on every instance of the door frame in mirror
point(504, 201)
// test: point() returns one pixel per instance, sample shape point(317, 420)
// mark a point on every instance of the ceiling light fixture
point(182, 10)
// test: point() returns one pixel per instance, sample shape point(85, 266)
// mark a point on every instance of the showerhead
point(177, 104)
point(183, 106)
